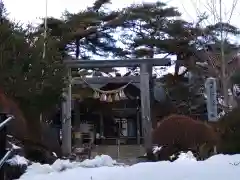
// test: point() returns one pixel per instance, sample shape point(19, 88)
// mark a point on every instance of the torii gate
point(145, 73)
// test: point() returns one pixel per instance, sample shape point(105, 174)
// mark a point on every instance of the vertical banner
point(211, 91)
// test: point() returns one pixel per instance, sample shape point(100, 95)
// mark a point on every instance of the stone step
point(119, 152)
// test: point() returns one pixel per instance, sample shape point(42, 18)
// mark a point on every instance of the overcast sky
point(32, 10)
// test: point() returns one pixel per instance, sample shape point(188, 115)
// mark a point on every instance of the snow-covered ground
point(219, 167)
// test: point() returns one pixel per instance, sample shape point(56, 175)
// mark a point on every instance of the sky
point(31, 11)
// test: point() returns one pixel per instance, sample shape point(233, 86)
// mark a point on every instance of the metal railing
point(5, 122)
point(4, 153)
point(5, 158)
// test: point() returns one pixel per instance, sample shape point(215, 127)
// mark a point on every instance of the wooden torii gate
point(145, 75)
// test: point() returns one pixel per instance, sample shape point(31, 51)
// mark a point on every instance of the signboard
point(211, 91)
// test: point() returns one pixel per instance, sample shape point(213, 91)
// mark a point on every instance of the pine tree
point(33, 82)
point(87, 33)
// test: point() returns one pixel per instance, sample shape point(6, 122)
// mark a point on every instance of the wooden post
point(151, 92)
point(145, 106)
point(101, 125)
point(138, 129)
point(66, 119)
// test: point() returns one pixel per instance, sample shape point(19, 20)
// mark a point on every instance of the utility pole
point(45, 30)
point(223, 62)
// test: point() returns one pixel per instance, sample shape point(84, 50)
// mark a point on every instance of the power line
point(231, 14)
point(198, 11)
point(210, 59)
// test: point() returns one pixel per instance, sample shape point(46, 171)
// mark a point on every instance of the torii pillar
point(67, 118)
point(146, 104)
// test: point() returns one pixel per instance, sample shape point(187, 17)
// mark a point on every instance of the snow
point(54, 154)
point(14, 146)
point(156, 149)
point(99, 161)
point(18, 160)
point(186, 156)
point(61, 165)
point(186, 167)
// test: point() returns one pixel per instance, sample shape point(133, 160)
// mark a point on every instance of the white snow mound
point(18, 160)
point(62, 165)
point(219, 167)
